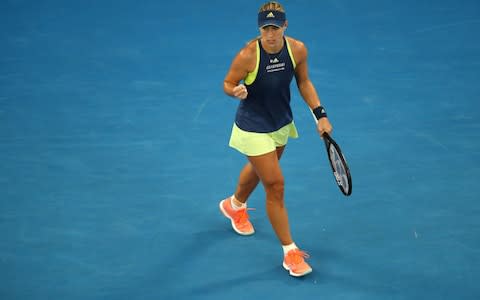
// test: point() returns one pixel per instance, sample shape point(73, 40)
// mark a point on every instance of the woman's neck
point(273, 49)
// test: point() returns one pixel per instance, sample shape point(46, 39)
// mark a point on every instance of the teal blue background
point(114, 152)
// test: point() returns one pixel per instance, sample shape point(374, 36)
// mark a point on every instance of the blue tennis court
point(114, 152)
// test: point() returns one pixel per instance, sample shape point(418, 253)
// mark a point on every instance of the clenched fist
point(240, 91)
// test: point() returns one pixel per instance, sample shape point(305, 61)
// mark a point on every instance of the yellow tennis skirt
point(254, 143)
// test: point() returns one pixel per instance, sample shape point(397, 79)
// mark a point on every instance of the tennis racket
point(337, 160)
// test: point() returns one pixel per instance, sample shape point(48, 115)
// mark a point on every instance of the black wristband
point(319, 112)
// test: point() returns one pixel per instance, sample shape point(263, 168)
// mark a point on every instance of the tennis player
point(260, 77)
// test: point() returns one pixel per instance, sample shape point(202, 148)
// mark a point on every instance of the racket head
point(339, 165)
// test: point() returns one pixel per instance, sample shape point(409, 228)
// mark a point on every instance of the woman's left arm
point(305, 86)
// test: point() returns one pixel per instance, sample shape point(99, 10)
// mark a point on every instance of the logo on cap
point(271, 15)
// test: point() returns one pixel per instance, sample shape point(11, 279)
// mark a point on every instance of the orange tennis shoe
point(294, 261)
point(239, 218)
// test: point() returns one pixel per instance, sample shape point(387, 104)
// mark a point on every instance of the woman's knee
point(276, 187)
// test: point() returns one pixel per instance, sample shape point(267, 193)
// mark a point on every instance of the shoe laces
point(296, 256)
point(241, 215)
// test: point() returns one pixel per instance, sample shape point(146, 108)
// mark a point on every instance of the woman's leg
point(248, 179)
point(267, 168)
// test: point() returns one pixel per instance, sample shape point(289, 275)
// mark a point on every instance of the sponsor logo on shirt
point(275, 66)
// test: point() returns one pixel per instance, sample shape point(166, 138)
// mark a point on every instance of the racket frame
point(328, 140)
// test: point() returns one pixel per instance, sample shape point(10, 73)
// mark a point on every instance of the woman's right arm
point(242, 64)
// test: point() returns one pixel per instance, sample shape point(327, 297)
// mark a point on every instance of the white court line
point(200, 109)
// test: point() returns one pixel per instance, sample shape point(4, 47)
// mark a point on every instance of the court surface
point(113, 152)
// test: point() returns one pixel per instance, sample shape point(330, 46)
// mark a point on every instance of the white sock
point(236, 207)
point(287, 248)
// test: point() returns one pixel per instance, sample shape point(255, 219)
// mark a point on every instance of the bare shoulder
point(298, 48)
point(248, 54)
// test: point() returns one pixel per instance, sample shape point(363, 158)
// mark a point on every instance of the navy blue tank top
point(267, 106)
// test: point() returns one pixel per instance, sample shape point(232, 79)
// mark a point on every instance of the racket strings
point(340, 172)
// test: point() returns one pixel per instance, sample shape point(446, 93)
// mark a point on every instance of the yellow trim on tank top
point(290, 52)
point(253, 75)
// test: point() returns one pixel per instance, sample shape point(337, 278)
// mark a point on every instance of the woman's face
point(272, 37)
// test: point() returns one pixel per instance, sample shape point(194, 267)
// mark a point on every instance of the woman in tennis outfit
point(260, 77)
